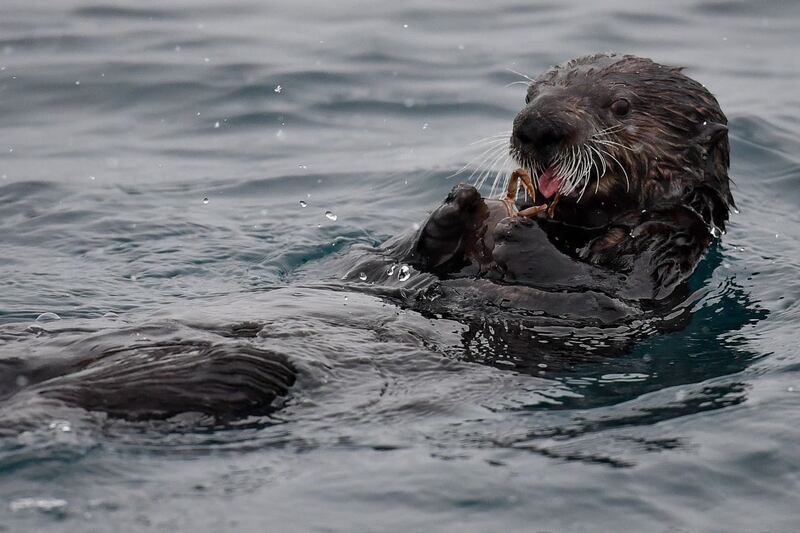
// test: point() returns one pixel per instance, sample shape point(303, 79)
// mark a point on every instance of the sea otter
point(632, 157)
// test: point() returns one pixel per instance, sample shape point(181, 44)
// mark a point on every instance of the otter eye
point(527, 99)
point(621, 107)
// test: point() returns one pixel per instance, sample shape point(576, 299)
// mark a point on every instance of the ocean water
point(171, 168)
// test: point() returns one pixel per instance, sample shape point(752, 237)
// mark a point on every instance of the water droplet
point(61, 425)
point(92, 178)
point(77, 82)
point(362, 276)
point(299, 165)
point(303, 203)
point(206, 60)
point(216, 124)
point(405, 25)
point(134, 277)
point(278, 88)
point(542, 365)
point(330, 216)
point(47, 317)
point(408, 102)
point(205, 200)
point(714, 231)
point(425, 126)
point(405, 273)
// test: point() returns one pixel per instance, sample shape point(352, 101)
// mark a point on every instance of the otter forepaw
point(443, 237)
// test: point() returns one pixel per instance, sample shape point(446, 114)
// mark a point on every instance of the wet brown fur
point(673, 126)
point(655, 197)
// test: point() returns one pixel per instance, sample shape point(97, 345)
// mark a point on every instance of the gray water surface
point(153, 161)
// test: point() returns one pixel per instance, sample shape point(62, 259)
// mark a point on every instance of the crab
point(510, 199)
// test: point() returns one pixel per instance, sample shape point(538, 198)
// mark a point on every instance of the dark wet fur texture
point(641, 227)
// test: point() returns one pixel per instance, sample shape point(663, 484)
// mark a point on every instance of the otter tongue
point(548, 182)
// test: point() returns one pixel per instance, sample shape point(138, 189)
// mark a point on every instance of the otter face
point(619, 126)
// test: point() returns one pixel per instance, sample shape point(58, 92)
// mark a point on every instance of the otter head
point(622, 130)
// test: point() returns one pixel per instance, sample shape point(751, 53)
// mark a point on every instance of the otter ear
point(710, 134)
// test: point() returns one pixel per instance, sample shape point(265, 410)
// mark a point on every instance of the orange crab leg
point(513, 185)
point(532, 211)
point(551, 211)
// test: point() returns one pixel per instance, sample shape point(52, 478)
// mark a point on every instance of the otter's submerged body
point(628, 163)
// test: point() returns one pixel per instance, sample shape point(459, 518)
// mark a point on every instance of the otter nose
point(543, 136)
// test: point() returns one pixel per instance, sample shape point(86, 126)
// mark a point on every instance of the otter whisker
point(600, 173)
point(489, 161)
point(564, 164)
point(485, 156)
point(487, 142)
point(484, 166)
point(601, 158)
point(502, 134)
point(490, 168)
point(588, 164)
point(480, 158)
point(613, 143)
point(581, 171)
point(497, 176)
point(574, 164)
point(488, 145)
point(585, 183)
point(611, 129)
point(571, 171)
point(494, 143)
point(627, 180)
point(520, 74)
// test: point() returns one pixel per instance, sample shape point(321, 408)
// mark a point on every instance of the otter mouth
point(575, 170)
point(574, 173)
point(549, 182)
